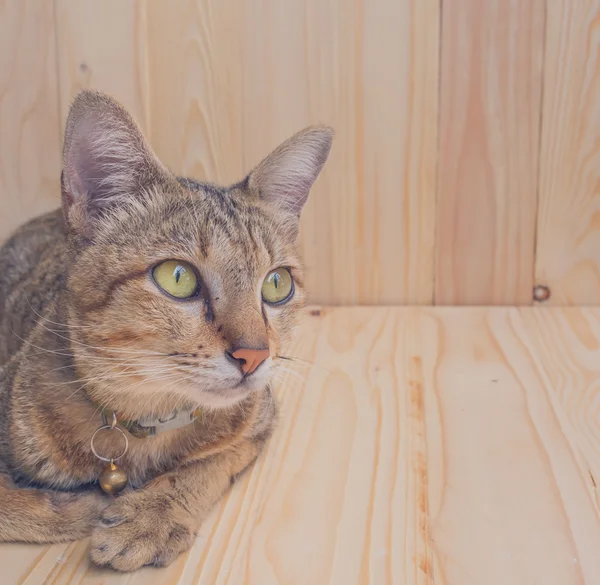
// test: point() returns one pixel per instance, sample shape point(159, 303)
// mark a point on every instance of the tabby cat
point(155, 306)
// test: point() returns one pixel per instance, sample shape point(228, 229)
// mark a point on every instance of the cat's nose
point(249, 359)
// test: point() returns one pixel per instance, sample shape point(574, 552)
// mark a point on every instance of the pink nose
point(250, 359)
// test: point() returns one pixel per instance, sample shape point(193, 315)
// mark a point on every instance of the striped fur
point(82, 324)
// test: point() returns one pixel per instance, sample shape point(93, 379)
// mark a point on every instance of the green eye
point(278, 286)
point(177, 278)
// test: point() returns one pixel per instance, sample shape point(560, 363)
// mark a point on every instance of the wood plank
point(197, 122)
point(102, 45)
point(568, 242)
point(489, 140)
point(508, 502)
point(446, 446)
point(567, 343)
point(245, 79)
point(29, 124)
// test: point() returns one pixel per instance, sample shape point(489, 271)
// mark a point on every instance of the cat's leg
point(155, 524)
point(32, 515)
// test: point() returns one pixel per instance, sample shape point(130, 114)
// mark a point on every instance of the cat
point(147, 298)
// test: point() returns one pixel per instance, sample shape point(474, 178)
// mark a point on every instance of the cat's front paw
point(141, 528)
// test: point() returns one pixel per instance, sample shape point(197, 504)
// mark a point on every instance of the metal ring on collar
point(109, 428)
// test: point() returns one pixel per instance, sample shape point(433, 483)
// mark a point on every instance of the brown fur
point(82, 324)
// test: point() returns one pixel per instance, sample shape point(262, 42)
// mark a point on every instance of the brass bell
point(113, 479)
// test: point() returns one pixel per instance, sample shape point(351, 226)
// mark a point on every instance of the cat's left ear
point(285, 177)
point(106, 160)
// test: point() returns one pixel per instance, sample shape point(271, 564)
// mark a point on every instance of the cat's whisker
point(112, 349)
point(42, 349)
point(70, 354)
point(116, 372)
point(292, 373)
point(110, 375)
point(182, 396)
point(92, 360)
point(165, 396)
point(284, 381)
point(116, 403)
point(55, 322)
point(104, 361)
point(71, 340)
point(129, 363)
point(109, 378)
point(303, 362)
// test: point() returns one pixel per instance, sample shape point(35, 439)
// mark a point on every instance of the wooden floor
point(449, 446)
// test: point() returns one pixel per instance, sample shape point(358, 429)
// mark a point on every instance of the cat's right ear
point(106, 161)
point(285, 177)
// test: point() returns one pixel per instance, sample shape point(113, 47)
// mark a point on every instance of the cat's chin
point(226, 397)
point(227, 394)
point(228, 391)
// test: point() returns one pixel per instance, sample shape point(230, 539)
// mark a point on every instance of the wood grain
point(29, 124)
point(245, 79)
point(567, 344)
point(489, 141)
point(102, 45)
point(216, 85)
point(196, 81)
point(424, 446)
point(508, 502)
point(568, 242)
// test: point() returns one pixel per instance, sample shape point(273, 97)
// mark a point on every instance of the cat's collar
point(113, 478)
point(151, 426)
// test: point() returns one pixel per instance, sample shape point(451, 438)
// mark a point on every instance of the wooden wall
point(466, 164)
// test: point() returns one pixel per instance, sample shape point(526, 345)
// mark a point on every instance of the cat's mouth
point(247, 384)
point(230, 390)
